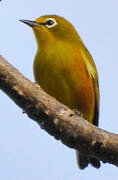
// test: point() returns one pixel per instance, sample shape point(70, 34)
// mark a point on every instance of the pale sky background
point(26, 151)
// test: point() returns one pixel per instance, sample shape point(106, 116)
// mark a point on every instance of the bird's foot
point(76, 111)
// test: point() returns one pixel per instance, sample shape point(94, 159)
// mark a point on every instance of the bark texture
point(55, 118)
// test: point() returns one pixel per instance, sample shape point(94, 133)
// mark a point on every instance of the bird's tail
point(83, 161)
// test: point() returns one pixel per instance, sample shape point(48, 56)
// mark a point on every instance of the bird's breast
point(64, 77)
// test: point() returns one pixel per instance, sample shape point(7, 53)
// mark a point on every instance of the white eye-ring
point(50, 22)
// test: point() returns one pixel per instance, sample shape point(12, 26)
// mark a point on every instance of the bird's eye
point(50, 23)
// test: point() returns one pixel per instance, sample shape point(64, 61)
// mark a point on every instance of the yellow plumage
point(65, 69)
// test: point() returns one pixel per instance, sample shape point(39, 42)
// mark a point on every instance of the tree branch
point(57, 119)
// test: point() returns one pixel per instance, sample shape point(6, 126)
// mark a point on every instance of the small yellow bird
point(65, 69)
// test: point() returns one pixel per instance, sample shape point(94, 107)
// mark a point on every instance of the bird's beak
point(30, 23)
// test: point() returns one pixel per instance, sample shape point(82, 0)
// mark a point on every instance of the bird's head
point(53, 27)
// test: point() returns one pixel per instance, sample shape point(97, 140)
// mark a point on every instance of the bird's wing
point(92, 71)
point(82, 160)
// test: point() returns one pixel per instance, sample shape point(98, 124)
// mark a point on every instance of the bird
point(65, 69)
